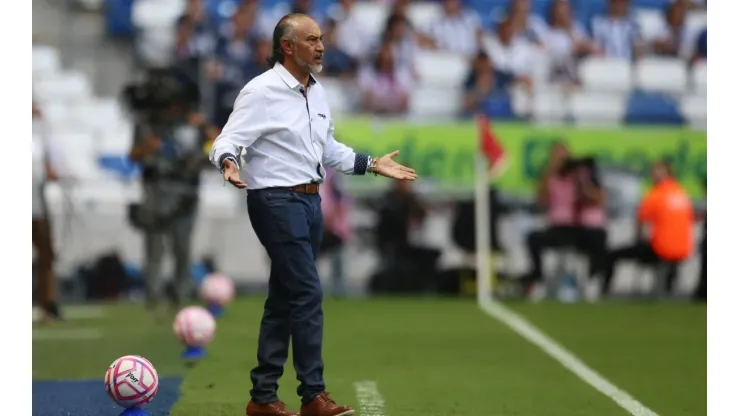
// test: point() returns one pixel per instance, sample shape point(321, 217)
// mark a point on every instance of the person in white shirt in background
point(617, 34)
point(384, 85)
point(565, 40)
point(44, 160)
point(283, 119)
point(352, 34)
point(674, 38)
point(459, 30)
point(511, 55)
point(527, 24)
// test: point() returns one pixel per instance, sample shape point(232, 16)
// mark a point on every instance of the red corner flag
point(490, 146)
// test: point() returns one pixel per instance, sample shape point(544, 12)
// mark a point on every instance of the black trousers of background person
point(700, 293)
point(290, 226)
point(589, 241)
point(643, 253)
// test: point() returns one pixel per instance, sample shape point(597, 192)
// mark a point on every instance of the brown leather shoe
point(269, 409)
point(324, 405)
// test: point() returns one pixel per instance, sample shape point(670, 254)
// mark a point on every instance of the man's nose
point(320, 47)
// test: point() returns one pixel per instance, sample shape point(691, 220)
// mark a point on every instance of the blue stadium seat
point(650, 4)
point(118, 18)
point(120, 165)
point(652, 108)
point(498, 107)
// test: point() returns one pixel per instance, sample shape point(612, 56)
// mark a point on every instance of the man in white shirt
point(283, 119)
point(459, 30)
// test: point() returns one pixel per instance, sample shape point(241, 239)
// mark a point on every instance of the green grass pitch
point(428, 357)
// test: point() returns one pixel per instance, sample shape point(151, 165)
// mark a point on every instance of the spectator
point(674, 39)
point(482, 82)
point(384, 86)
point(459, 30)
point(399, 34)
point(565, 41)
point(571, 192)
point(42, 172)
point(617, 34)
point(257, 64)
point(193, 40)
point(700, 49)
point(336, 62)
point(512, 56)
point(527, 24)
point(352, 34)
point(667, 209)
point(233, 55)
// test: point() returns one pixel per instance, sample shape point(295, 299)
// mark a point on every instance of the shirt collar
point(289, 79)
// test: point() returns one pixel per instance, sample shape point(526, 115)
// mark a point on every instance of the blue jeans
point(290, 226)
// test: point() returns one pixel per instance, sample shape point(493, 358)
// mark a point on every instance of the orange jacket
point(667, 208)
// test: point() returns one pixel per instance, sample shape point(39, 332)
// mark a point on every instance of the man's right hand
point(231, 174)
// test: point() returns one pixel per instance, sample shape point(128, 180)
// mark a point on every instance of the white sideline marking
point(74, 312)
point(371, 402)
point(67, 334)
point(529, 332)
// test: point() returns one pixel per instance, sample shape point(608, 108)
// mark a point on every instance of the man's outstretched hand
point(231, 174)
point(387, 167)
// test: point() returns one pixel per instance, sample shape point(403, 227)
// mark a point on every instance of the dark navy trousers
point(290, 226)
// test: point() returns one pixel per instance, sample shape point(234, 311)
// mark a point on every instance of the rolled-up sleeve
point(247, 122)
point(342, 158)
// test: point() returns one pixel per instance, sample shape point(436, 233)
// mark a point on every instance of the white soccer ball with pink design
point(194, 326)
point(218, 289)
point(131, 381)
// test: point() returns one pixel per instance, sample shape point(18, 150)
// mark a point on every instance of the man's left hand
point(387, 167)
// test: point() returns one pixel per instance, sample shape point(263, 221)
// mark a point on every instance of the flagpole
point(482, 229)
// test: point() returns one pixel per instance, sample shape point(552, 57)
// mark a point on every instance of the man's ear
point(287, 46)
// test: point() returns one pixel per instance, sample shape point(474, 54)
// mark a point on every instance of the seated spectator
point(512, 56)
point(257, 64)
point(700, 49)
point(617, 35)
point(336, 62)
point(385, 87)
point(459, 30)
point(674, 39)
point(527, 24)
point(193, 39)
point(668, 211)
point(232, 56)
point(571, 192)
point(352, 33)
point(399, 34)
point(482, 82)
point(565, 40)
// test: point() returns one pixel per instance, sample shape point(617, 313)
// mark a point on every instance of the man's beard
point(310, 68)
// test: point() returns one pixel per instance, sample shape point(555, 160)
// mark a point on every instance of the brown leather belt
point(306, 188)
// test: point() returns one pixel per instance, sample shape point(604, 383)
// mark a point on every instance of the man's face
point(659, 172)
point(308, 50)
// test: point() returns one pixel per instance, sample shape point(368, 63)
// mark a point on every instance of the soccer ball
point(217, 288)
point(194, 326)
point(131, 381)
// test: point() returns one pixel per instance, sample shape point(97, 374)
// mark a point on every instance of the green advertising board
point(444, 154)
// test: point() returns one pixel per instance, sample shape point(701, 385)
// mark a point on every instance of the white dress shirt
point(289, 138)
